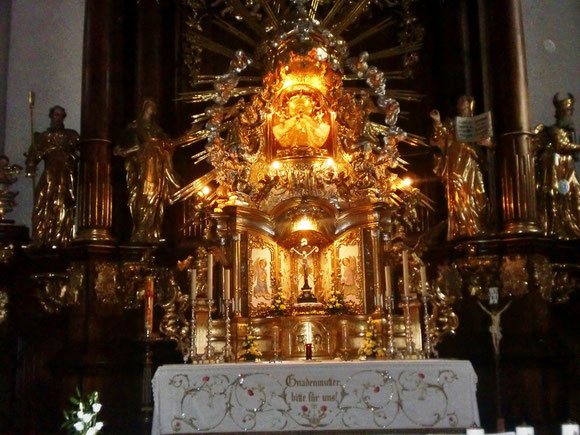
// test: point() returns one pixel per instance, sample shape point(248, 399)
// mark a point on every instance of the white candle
point(388, 288)
point(227, 274)
point(210, 276)
point(193, 277)
point(406, 273)
point(475, 431)
point(524, 430)
point(570, 429)
point(424, 280)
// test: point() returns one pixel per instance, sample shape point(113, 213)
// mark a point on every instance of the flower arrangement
point(370, 348)
point(335, 303)
point(279, 305)
point(251, 351)
point(83, 418)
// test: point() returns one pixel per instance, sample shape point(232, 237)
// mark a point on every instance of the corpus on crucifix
point(305, 251)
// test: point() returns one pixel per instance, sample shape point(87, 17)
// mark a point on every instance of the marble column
point(95, 185)
point(510, 104)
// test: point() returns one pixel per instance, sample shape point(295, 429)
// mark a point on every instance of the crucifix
point(306, 291)
point(495, 331)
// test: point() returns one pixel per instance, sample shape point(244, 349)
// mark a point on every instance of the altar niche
point(305, 275)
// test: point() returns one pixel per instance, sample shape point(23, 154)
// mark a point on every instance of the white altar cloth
point(325, 395)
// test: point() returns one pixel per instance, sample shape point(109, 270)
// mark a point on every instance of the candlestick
point(227, 275)
point(209, 350)
point(524, 430)
point(344, 340)
point(275, 345)
point(192, 324)
point(406, 273)
point(409, 344)
point(308, 351)
point(427, 348)
point(31, 98)
point(570, 429)
point(209, 289)
point(148, 296)
point(391, 352)
point(228, 351)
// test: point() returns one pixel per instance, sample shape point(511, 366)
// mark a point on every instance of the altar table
point(325, 395)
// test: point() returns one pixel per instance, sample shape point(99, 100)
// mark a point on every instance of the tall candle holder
point(193, 356)
point(409, 344)
point(209, 354)
point(343, 352)
point(427, 348)
point(228, 351)
point(275, 344)
point(390, 308)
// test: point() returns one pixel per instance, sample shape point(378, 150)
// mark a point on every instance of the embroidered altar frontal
point(390, 395)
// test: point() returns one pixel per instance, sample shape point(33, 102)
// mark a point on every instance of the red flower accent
point(377, 389)
point(421, 376)
point(304, 408)
point(250, 392)
point(323, 408)
point(205, 378)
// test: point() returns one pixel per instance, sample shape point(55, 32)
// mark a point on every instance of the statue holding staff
point(54, 194)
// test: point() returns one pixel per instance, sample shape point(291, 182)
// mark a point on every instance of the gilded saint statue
point(459, 167)
point(558, 184)
point(54, 193)
point(150, 176)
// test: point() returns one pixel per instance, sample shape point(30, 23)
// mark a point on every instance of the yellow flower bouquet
point(251, 351)
point(335, 303)
point(279, 305)
point(370, 348)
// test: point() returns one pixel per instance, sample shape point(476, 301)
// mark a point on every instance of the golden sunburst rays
point(261, 26)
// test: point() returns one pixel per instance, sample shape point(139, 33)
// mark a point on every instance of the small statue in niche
point(558, 184)
point(54, 194)
point(150, 176)
point(459, 167)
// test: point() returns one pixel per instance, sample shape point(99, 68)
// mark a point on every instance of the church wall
point(45, 55)
point(552, 38)
point(4, 45)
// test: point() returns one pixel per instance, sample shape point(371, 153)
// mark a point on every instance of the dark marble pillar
point(95, 187)
point(510, 104)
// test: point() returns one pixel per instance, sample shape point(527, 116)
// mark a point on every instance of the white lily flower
point(96, 407)
point(87, 417)
point(99, 425)
point(79, 426)
point(91, 431)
